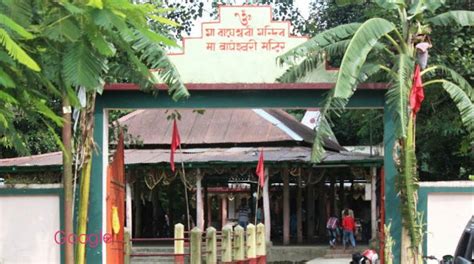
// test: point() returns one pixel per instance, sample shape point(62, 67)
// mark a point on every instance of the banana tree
point(379, 46)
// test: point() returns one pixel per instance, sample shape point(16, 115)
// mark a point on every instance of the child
point(331, 226)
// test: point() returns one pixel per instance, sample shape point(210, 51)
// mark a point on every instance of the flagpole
point(256, 203)
point(185, 187)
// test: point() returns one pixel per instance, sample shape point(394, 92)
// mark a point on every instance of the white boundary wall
point(28, 223)
point(447, 215)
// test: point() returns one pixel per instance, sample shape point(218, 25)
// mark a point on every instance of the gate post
point(211, 256)
point(239, 246)
point(251, 254)
point(261, 244)
point(196, 237)
point(128, 247)
point(179, 243)
point(227, 244)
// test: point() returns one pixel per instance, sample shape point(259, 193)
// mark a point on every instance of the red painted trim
point(246, 86)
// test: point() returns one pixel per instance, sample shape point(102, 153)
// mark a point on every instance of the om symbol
point(244, 18)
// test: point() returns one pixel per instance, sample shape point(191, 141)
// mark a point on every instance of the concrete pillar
point(209, 211)
point(179, 243)
point(251, 244)
point(196, 237)
point(266, 206)
point(211, 246)
point(128, 208)
point(199, 204)
point(239, 244)
point(299, 212)
point(223, 211)
point(227, 244)
point(286, 207)
point(373, 202)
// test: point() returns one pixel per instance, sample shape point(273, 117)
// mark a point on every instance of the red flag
point(417, 94)
point(260, 171)
point(175, 143)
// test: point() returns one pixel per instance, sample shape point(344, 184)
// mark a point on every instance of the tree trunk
point(67, 179)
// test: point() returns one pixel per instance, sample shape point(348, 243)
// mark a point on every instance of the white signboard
point(241, 47)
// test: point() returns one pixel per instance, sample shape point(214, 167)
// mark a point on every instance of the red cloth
point(260, 171)
point(348, 223)
point(175, 143)
point(417, 94)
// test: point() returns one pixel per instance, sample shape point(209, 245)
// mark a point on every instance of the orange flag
point(417, 94)
point(260, 171)
point(175, 143)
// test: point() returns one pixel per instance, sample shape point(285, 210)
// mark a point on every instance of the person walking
point(332, 225)
point(348, 226)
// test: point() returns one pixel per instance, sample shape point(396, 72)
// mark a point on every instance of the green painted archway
point(307, 95)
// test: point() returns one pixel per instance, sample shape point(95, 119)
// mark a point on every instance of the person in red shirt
point(348, 226)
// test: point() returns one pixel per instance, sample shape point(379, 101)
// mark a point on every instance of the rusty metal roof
point(237, 155)
point(238, 127)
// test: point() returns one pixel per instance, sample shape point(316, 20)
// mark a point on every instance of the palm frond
point(82, 67)
point(62, 28)
point(315, 44)
point(295, 72)
point(457, 17)
point(456, 77)
point(419, 6)
point(9, 23)
point(6, 80)
point(332, 106)
point(463, 103)
point(367, 71)
point(16, 52)
point(397, 95)
point(364, 39)
point(155, 57)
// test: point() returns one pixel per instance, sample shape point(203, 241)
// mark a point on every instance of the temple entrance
point(235, 78)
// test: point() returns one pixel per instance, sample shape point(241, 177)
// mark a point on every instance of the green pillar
point(96, 198)
point(392, 202)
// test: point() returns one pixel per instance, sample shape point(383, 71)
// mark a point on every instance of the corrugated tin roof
point(218, 126)
point(204, 155)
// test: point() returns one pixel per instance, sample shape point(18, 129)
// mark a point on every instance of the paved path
point(330, 261)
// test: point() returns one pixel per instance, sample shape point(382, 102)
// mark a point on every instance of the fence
point(231, 245)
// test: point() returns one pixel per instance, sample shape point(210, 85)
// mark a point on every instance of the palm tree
point(378, 46)
point(80, 45)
